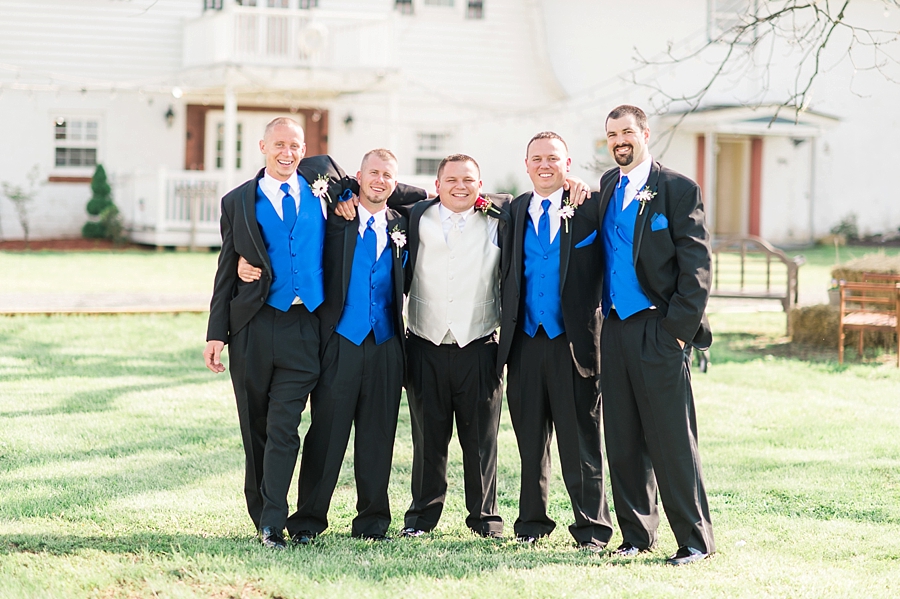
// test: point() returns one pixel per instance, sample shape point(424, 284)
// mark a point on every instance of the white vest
point(456, 290)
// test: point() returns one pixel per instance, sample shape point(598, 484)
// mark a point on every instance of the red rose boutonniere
point(485, 205)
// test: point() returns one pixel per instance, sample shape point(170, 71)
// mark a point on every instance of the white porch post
point(229, 138)
point(709, 159)
point(812, 189)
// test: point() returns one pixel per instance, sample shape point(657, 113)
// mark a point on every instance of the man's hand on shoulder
point(578, 190)
point(212, 355)
point(247, 272)
point(347, 209)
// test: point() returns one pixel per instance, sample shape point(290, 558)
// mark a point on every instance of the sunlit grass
point(121, 473)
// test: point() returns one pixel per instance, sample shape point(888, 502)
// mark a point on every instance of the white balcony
point(336, 45)
point(172, 208)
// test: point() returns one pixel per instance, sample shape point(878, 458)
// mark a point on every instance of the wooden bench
point(751, 268)
point(869, 306)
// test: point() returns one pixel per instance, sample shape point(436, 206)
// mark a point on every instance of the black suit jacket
point(234, 302)
point(672, 263)
point(415, 211)
point(579, 279)
point(341, 237)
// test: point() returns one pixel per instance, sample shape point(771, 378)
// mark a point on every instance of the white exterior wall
point(133, 136)
point(49, 51)
point(529, 65)
point(853, 159)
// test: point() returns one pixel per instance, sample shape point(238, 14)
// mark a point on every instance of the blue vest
point(620, 284)
point(296, 254)
point(543, 305)
point(370, 297)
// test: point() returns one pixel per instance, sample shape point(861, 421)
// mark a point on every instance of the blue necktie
point(620, 192)
point(544, 225)
point(370, 240)
point(288, 207)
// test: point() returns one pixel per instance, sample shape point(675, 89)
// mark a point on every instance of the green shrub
point(109, 222)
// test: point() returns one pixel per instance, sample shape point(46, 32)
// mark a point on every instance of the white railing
point(172, 208)
point(247, 35)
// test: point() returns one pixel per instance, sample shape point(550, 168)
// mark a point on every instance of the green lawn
point(121, 472)
point(100, 272)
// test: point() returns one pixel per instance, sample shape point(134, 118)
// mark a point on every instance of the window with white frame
point(76, 140)
point(438, 2)
point(475, 9)
point(727, 19)
point(278, 3)
point(220, 145)
point(307, 4)
point(404, 7)
point(212, 4)
point(431, 149)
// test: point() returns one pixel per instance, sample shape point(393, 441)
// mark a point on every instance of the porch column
point(709, 183)
point(229, 138)
point(756, 162)
point(812, 189)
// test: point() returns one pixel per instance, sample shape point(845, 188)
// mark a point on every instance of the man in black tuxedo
point(276, 222)
point(361, 328)
point(548, 339)
point(453, 282)
point(656, 284)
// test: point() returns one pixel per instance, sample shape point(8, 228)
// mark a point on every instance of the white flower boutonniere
point(398, 237)
point(320, 188)
point(644, 196)
point(567, 211)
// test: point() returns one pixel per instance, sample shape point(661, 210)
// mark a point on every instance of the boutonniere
point(567, 211)
point(485, 205)
point(644, 196)
point(320, 187)
point(398, 236)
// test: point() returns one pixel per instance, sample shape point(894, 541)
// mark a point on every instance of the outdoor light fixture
point(348, 121)
point(169, 116)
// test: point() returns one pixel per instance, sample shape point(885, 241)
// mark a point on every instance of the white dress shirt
point(637, 178)
point(379, 226)
point(447, 222)
point(271, 188)
point(536, 210)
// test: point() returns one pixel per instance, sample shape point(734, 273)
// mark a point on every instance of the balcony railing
point(290, 38)
point(173, 208)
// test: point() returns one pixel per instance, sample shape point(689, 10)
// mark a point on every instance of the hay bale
point(874, 262)
point(820, 325)
point(815, 325)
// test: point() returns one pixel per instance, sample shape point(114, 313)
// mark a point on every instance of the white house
point(171, 97)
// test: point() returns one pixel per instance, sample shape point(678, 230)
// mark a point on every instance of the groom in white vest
point(453, 312)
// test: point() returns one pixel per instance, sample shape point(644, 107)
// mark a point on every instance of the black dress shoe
point(526, 539)
point(626, 549)
point(271, 539)
point(686, 555)
point(410, 532)
point(591, 546)
point(489, 534)
point(376, 538)
point(304, 537)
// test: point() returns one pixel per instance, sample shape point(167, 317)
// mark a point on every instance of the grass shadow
point(332, 557)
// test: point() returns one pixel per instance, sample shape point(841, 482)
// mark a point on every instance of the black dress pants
point(359, 386)
point(546, 391)
point(274, 363)
point(443, 380)
point(651, 432)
